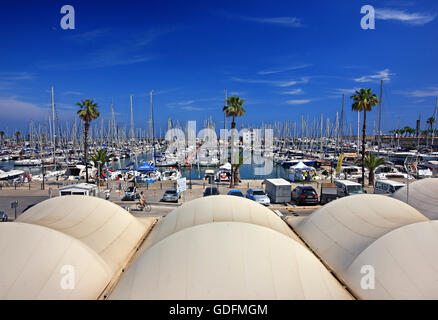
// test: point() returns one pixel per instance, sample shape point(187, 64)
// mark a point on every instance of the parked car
point(3, 217)
point(211, 191)
point(130, 194)
point(236, 193)
point(304, 195)
point(171, 195)
point(258, 195)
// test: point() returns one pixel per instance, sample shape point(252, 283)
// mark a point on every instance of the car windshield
point(171, 192)
point(354, 189)
point(258, 193)
point(211, 190)
point(309, 192)
point(236, 193)
point(395, 188)
point(130, 189)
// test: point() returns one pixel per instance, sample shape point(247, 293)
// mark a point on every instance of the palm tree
point(87, 112)
point(17, 135)
point(364, 100)
point(430, 121)
point(234, 109)
point(412, 131)
point(371, 163)
point(99, 158)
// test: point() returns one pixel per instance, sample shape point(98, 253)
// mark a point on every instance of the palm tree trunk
point(371, 178)
point(363, 145)
point(86, 126)
point(236, 177)
point(233, 126)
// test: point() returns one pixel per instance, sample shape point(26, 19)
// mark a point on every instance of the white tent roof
point(228, 260)
point(405, 263)
point(342, 229)
point(301, 166)
point(423, 196)
point(219, 208)
point(32, 259)
point(105, 227)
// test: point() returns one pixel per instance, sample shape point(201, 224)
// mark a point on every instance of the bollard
point(161, 186)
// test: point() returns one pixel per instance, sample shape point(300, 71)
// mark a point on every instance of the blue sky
point(285, 58)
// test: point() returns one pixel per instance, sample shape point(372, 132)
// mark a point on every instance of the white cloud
point(296, 102)
point(276, 83)
point(74, 93)
point(192, 108)
point(13, 109)
point(414, 18)
point(302, 66)
point(185, 103)
point(12, 76)
point(346, 91)
point(428, 92)
point(293, 22)
point(381, 75)
point(293, 92)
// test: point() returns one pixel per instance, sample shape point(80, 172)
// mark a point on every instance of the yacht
point(11, 174)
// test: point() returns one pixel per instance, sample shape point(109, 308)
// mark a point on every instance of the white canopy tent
point(302, 167)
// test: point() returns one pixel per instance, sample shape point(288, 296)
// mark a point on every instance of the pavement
point(32, 194)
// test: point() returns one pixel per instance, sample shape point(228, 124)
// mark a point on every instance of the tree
point(2, 134)
point(234, 109)
point(430, 121)
point(87, 112)
point(17, 136)
point(99, 158)
point(371, 163)
point(364, 100)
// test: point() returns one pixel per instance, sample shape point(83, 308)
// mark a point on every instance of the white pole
point(53, 126)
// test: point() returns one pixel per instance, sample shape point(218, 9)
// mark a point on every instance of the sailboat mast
point(53, 125)
point(380, 115)
point(434, 117)
point(152, 129)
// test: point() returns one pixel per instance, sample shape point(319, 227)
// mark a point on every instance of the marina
point(219, 152)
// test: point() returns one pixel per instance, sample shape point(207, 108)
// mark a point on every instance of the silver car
point(170, 195)
point(258, 195)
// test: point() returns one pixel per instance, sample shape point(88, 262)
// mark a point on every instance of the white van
point(387, 186)
point(347, 188)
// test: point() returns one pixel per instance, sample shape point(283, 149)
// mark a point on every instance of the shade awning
point(146, 167)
